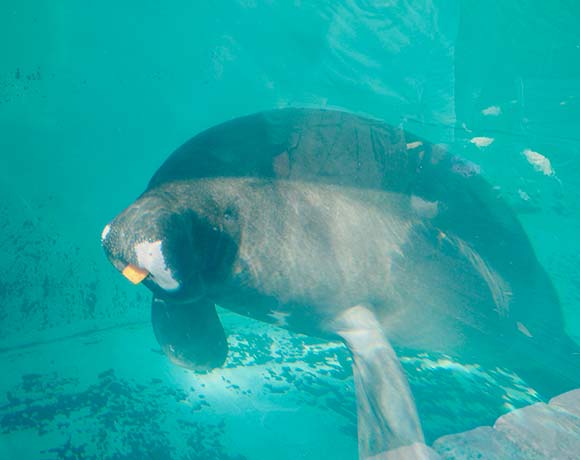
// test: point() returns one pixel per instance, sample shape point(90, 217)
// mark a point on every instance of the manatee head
point(152, 242)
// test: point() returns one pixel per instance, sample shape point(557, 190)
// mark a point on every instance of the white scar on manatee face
point(105, 232)
point(150, 257)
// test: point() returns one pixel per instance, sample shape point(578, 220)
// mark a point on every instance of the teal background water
point(95, 95)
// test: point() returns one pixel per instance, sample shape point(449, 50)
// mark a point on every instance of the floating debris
point(482, 141)
point(539, 162)
point(493, 111)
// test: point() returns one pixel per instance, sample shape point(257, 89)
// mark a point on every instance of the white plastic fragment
point(523, 329)
point(414, 145)
point(493, 111)
point(523, 195)
point(539, 162)
point(482, 141)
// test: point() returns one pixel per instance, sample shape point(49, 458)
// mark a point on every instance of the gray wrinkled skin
point(344, 228)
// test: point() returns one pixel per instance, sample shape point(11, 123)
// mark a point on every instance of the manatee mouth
point(192, 289)
point(137, 275)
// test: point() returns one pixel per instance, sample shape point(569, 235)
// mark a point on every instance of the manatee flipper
point(190, 333)
point(387, 417)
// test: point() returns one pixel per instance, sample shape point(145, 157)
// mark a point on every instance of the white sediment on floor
point(283, 387)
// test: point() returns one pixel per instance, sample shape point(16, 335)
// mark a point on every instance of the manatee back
point(328, 146)
point(299, 144)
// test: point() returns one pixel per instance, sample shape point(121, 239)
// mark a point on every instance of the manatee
point(345, 228)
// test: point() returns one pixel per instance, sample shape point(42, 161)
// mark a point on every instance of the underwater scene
point(290, 229)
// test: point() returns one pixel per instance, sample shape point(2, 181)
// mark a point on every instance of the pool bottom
point(111, 394)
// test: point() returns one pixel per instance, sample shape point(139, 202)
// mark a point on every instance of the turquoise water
point(94, 97)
